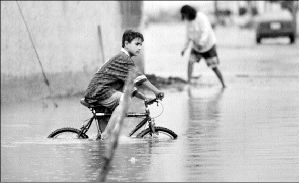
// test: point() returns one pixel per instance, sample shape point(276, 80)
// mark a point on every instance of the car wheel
point(258, 40)
point(292, 39)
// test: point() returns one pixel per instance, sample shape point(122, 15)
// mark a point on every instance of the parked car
point(276, 24)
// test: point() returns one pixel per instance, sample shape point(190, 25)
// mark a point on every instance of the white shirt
point(200, 32)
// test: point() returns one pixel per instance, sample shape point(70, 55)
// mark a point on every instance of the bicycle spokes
point(158, 135)
point(67, 135)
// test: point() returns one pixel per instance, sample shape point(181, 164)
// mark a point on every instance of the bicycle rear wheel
point(67, 133)
point(161, 133)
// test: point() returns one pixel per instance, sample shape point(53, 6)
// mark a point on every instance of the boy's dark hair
point(129, 35)
point(188, 12)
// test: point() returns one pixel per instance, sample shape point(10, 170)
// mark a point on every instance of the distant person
point(106, 86)
point(202, 37)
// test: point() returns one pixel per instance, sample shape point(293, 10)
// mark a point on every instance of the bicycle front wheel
point(160, 133)
point(68, 133)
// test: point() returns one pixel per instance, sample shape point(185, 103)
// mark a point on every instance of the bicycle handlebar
point(151, 101)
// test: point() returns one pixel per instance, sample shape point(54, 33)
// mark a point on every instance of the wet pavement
point(246, 132)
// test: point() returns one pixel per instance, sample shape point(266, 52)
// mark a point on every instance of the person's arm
point(141, 80)
point(159, 94)
point(138, 94)
point(187, 42)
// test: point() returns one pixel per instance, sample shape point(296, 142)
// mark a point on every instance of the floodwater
point(240, 133)
point(246, 132)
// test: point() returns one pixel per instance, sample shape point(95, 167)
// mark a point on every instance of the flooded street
point(246, 132)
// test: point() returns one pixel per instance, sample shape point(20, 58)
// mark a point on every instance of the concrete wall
point(132, 15)
point(66, 36)
point(64, 32)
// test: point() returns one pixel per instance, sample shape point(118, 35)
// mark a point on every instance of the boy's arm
point(185, 46)
point(139, 95)
point(159, 94)
point(187, 42)
point(141, 79)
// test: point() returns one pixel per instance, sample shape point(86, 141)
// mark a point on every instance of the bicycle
point(100, 113)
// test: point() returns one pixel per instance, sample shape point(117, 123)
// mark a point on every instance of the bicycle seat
point(83, 102)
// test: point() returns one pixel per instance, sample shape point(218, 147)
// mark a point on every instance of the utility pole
point(216, 10)
point(132, 12)
point(294, 12)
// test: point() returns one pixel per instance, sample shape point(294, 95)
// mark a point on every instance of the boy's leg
point(219, 75)
point(195, 57)
point(102, 122)
point(190, 71)
point(213, 63)
point(111, 103)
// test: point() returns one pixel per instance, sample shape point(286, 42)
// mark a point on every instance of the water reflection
point(203, 104)
point(202, 157)
point(131, 160)
point(231, 135)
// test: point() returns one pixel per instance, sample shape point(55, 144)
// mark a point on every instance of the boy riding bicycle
point(106, 86)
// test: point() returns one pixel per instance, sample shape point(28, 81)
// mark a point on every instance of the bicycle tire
point(62, 131)
point(158, 129)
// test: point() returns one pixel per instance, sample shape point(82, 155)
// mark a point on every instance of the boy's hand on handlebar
point(182, 53)
point(160, 95)
point(149, 100)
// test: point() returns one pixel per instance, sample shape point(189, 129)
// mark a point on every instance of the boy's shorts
point(113, 101)
point(196, 56)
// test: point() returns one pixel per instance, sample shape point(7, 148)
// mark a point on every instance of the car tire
point(258, 40)
point(292, 39)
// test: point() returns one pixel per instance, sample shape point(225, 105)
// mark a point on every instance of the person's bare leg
point(214, 61)
point(111, 103)
point(190, 71)
point(219, 75)
point(103, 122)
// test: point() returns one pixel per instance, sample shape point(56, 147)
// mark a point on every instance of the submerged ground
point(246, 132)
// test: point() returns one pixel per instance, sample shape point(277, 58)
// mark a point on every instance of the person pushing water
point(202, 37)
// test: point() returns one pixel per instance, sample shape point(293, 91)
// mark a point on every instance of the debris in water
point(133, 160)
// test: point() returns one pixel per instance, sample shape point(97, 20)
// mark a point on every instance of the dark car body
point(273, 25)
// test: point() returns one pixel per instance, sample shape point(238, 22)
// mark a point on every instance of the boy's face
point(134, 47)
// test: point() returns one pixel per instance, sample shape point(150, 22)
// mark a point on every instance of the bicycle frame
point(146, 119)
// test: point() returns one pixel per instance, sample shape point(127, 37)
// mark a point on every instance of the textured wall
point(66, 36)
